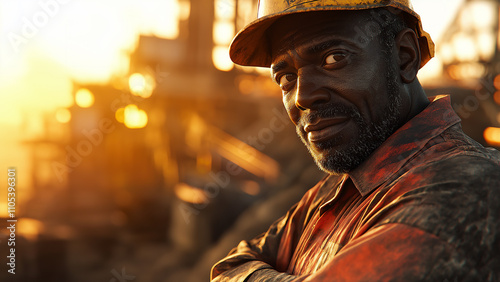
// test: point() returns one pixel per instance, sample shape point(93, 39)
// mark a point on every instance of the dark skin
point(320, 64)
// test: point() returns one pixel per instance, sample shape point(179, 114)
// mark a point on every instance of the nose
point(310, 93)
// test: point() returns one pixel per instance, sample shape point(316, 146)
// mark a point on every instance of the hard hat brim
point(252, 46)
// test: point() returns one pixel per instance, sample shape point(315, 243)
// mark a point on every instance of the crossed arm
point(388, 252)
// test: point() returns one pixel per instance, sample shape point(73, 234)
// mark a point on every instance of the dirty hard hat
point(251, 46)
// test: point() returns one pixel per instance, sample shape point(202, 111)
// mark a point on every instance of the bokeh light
point(223, 33)
point(135, 117)
point(120, 115)
point(137, 83)
point(492, 136)
point(141, 85)
point(84, 98)
point(221, 59)
point(190, 194)
point(63, 115)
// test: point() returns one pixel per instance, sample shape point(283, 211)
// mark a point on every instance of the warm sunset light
point(496, 82)
point(223, 33)
point(84, 98)
point(496, 97)
point(435, 21)
point(141, 85)
point(465, 47)
point(251, 188)
point(135, 117)
point(120, 115)
point(204, 162)
point(141, 151)
point(30, 228)
point(137, 83)
point(4, 212)
point(492, 136)
point(63, 115)
point(190, 194)
point(221, 58)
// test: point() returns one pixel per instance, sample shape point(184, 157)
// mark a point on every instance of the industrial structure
point(152, 169)
point(470, 54)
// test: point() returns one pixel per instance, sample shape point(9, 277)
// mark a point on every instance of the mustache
point(331, 111)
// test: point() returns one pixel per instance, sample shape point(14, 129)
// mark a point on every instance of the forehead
point(305, 29)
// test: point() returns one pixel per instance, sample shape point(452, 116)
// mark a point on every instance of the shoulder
point(453, 163)
point(466, 168)
point(458, 187)
point(456, 199)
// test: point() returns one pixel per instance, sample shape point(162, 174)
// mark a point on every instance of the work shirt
point(423, 206)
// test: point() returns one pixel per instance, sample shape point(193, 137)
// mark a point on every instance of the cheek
point(370, 95)
point(291, 109)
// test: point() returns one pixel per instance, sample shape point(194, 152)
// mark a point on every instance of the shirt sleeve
point(270, 251)
point(395, 252)
point(390, 252)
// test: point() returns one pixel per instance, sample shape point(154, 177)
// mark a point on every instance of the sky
point(436, 16)
point(50, 42)
point(47, 44)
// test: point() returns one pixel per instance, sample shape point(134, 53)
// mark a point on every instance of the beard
point(371, 134)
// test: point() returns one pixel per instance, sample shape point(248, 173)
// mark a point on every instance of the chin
point(336, 159)
point(335, 165)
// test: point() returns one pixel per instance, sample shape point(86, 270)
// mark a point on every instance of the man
point(409, 196)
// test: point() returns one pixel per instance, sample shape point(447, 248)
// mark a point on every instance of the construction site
point(156, 175)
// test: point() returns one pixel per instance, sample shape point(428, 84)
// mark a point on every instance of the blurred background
point(143, 154)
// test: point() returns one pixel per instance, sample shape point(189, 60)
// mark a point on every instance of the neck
point(418, 99)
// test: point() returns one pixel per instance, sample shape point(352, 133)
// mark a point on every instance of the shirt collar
point(404, 144)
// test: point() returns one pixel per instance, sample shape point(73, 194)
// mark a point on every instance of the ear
point(409, 54)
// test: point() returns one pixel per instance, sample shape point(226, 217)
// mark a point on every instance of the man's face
point(342, 93)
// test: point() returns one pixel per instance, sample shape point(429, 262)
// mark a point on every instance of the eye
point(334, 58)
point(287, 80)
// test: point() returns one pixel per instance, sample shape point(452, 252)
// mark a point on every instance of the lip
point(325, 129)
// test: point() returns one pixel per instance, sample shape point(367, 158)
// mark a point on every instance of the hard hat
point(250, 47)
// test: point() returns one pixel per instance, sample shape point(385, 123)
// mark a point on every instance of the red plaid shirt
point(424, 206)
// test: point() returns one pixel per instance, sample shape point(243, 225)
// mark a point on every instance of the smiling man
point(409, 196)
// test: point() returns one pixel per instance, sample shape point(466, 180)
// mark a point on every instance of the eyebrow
point(279, 66)
point(323, 46)
point(310, 50)
point(316, 48)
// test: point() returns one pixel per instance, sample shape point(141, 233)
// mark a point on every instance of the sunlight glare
point(223, 33)
point(464, 48)
point(221, 60)
point(141, 85)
